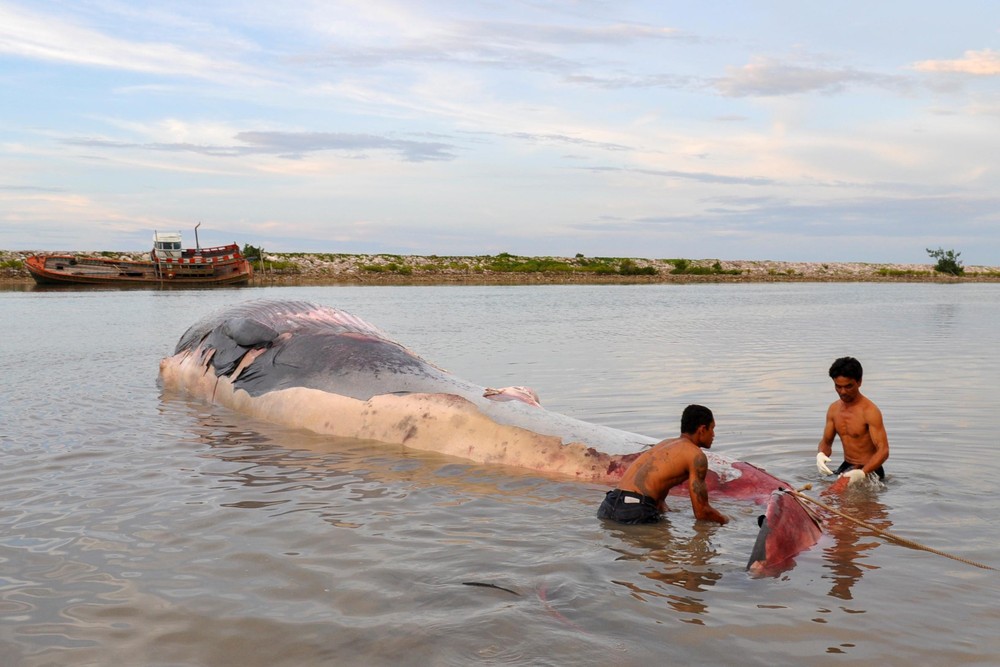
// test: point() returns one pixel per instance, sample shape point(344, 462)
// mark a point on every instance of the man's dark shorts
point(845, 466)
point(628, 507)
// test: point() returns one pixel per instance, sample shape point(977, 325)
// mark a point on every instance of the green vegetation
point(507, 263)
point(391, 267)
point(255, 255)
point(684, 267)
point(947, 261)
point(902, 273)
point(630, 268)
point(503, 262)
point(11, 264)
point(321, 256)
point(279, 266)
point(252, 252)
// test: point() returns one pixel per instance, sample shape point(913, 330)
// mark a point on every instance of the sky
point(783, 130)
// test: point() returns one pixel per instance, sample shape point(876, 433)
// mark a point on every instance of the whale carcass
point(310, 366)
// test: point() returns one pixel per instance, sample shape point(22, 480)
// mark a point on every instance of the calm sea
point(140, 528)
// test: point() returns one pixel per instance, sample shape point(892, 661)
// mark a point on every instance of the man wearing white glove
point(821, 463)
point(858, 422)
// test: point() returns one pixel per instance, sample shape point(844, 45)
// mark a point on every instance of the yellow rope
point(886, 534)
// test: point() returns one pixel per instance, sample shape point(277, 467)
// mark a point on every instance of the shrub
point(685, 267)
point(947, 261)
point(282, 266)
point(630, 268)
point(252, 252)
point(901, 273)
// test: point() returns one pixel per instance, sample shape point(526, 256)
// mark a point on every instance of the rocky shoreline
point(385, 269)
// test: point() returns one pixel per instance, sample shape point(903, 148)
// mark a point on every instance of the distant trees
point(947, 261)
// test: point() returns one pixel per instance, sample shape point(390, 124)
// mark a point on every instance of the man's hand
point(854, 476)
point(821, 461)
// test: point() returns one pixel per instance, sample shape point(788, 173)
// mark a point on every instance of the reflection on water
point(682, 562)
point(849, 557)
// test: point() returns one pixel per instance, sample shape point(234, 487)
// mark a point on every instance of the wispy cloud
point(768, 77)
point(700, 177)
point(297, 143)
point(555, 139)
point(977, 63)
point(26, 188)
point(289, 145)
point(39, 36)
point(505, 45)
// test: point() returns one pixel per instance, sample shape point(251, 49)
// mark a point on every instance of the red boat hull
point(212, 268)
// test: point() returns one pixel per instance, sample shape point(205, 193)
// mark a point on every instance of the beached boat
point(169, 264)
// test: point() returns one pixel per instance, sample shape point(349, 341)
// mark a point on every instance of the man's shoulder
point(677, 448)
point(869, 405)
point(686, 449)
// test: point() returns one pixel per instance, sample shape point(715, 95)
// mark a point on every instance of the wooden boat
point(169, 264)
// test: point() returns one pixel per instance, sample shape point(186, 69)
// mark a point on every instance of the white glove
point(821, 461)
point(854, 476)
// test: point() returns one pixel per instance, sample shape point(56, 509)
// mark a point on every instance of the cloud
point(504, 46)
point(769, 77)
point(886, 216)
point(622, 81)
point(45, 37)
point(548, 138)
point(701, 177)
point(615, 34)
point(28, 188)
point(291, 145)
point(297, 143)
point(977, 63)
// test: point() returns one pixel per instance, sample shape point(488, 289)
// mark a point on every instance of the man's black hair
point(695, 416)
point(847, 367)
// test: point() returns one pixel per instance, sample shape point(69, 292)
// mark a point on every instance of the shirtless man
point(858, 422)
point(641, 491)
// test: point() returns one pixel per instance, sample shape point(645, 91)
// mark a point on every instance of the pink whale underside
point(788, 527)
point(750, 483)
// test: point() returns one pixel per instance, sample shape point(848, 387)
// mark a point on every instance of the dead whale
point(315, 367)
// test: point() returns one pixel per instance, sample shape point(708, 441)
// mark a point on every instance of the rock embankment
point(328, 268)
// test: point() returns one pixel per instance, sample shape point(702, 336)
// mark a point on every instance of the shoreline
point(505, 269)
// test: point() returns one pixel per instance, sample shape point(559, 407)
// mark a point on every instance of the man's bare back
point(662, 467)
point(665, 465)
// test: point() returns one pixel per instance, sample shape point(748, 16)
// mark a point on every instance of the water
point(141, 528)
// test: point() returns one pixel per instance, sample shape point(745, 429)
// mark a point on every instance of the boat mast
point(156, 258)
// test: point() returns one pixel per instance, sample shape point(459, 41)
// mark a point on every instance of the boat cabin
point(167, 245)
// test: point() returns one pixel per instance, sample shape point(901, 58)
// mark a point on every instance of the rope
point(886, 534)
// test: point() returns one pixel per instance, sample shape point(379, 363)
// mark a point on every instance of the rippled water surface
point(139, 527)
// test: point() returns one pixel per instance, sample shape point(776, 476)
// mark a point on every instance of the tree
point(252, 252)
point(947, 261)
